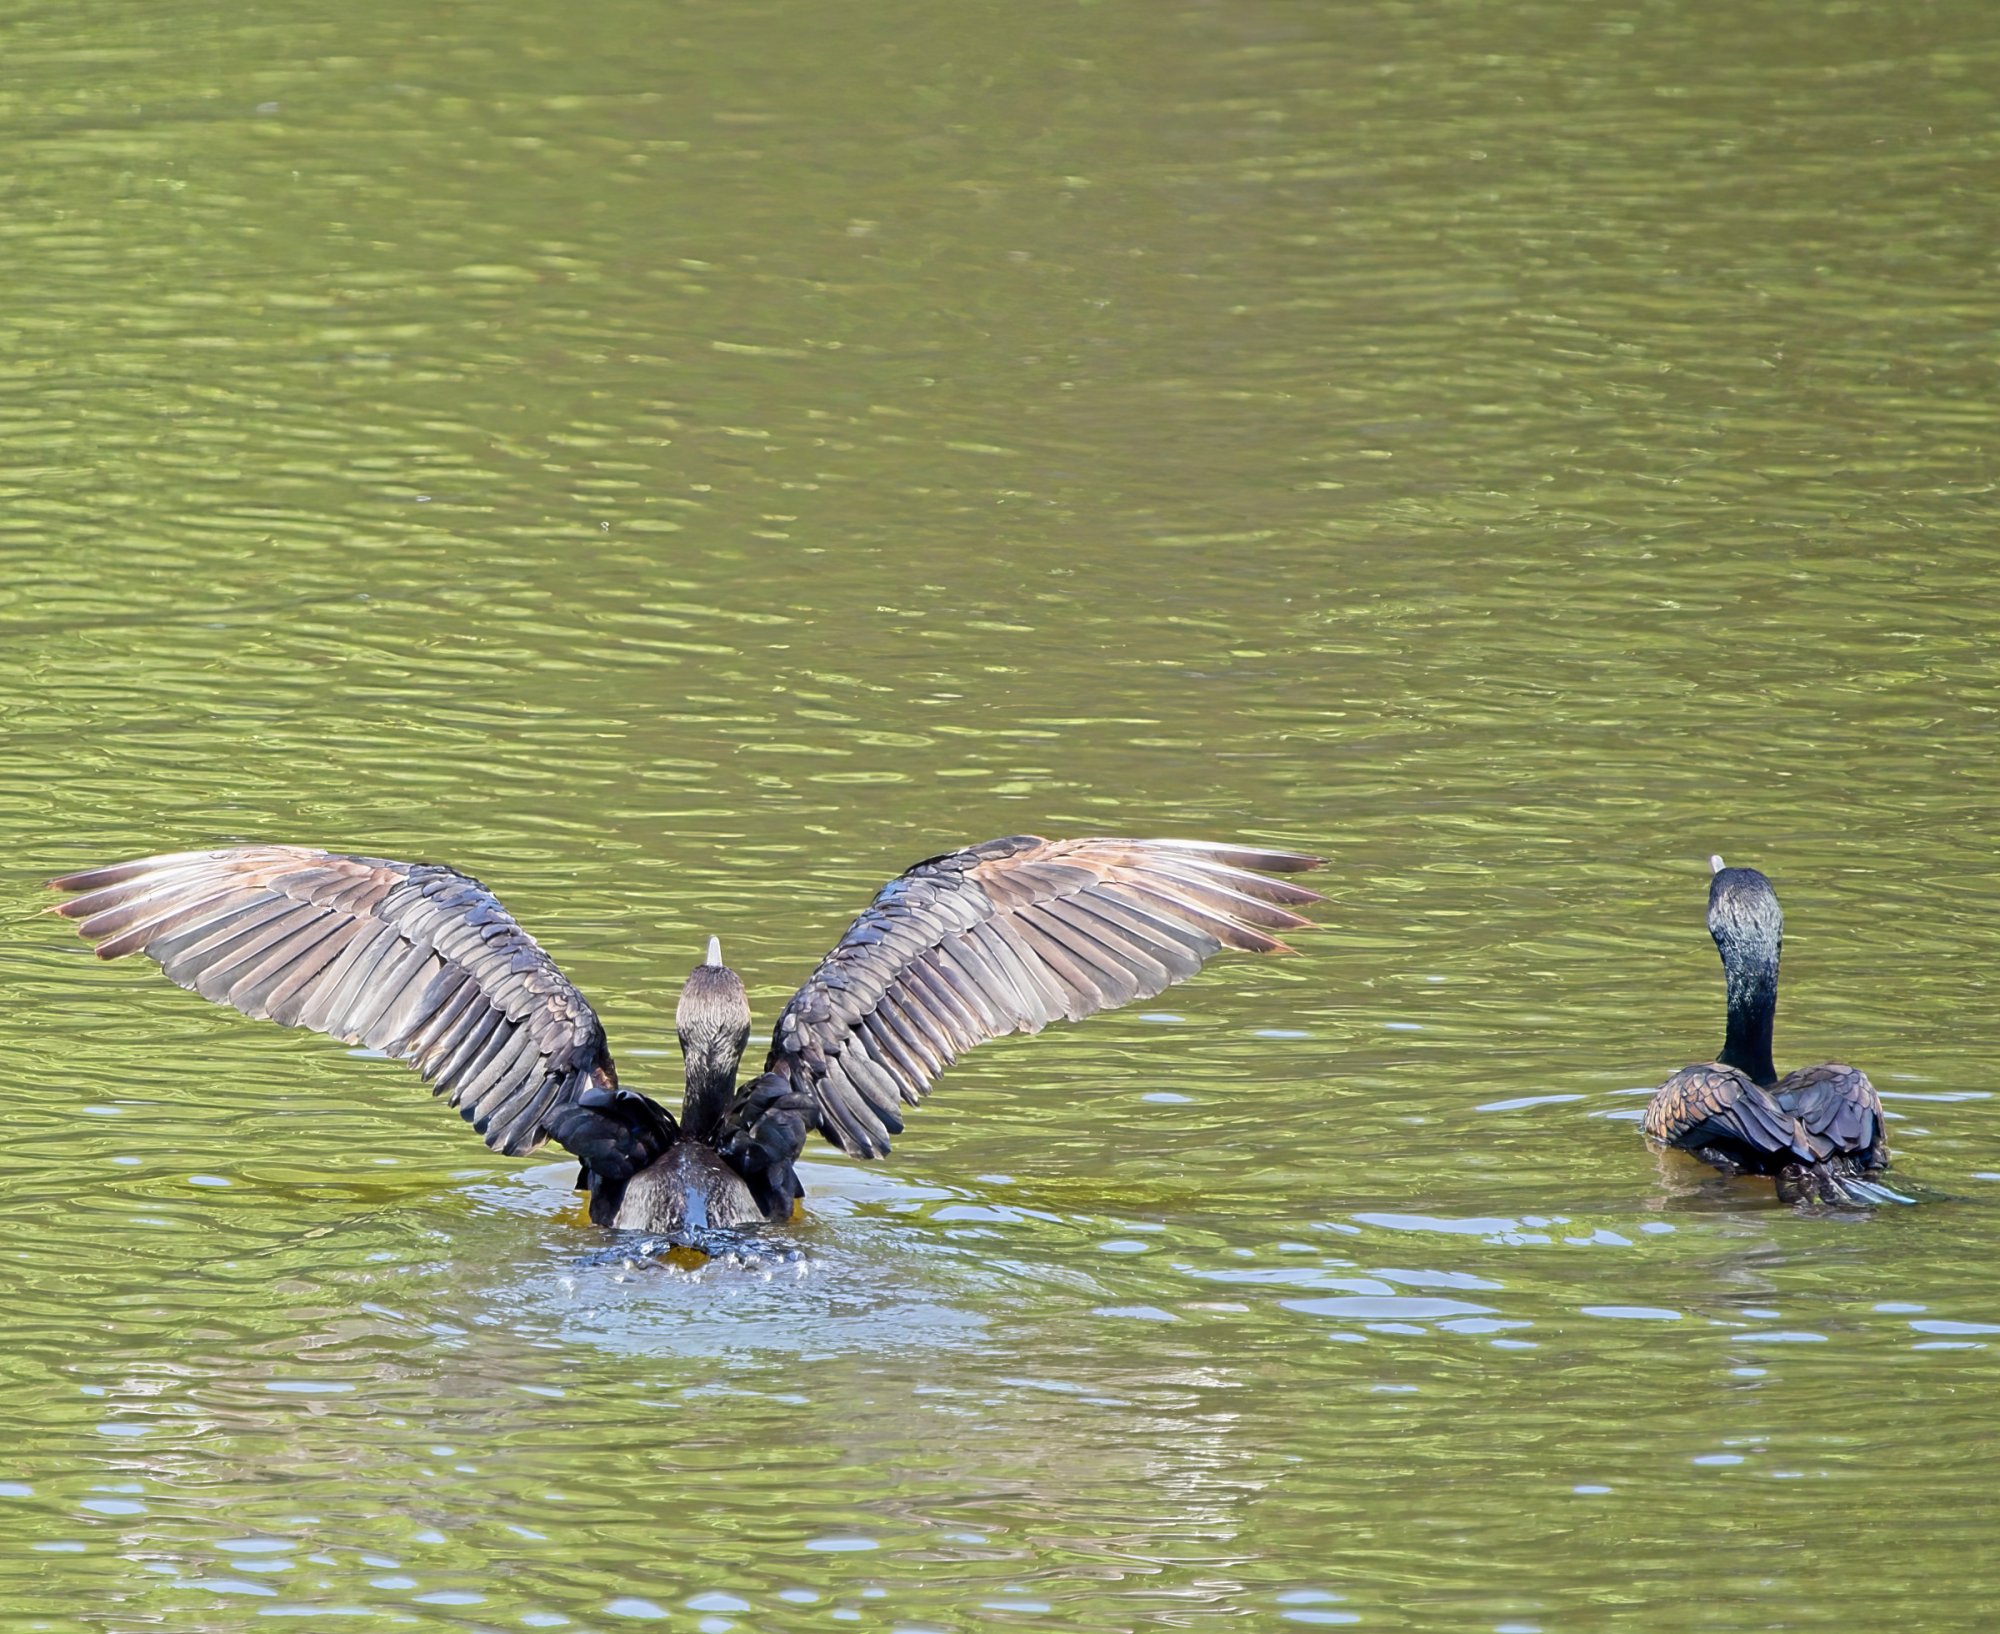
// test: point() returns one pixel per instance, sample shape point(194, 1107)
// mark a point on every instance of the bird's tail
point(1835, 1182)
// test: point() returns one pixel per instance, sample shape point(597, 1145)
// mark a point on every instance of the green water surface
point(683, 462)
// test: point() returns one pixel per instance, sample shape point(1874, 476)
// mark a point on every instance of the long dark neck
point(1753, 1012)
point(711, 1085)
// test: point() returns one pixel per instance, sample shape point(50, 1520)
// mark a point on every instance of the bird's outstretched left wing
point(411, 958)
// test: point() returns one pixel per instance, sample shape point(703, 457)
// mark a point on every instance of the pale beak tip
point(1714, 867)
point(714, 951)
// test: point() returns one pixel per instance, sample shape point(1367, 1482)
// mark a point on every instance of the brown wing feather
point(1839, 1110)
point(414, 959)
point(1713, 1108)
point(1006, 937)
point(1812, 1116)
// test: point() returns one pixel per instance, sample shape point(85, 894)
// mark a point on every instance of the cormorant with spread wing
point(423, 963)
point(1817, 1130)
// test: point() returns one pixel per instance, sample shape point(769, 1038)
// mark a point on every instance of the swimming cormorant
point(1818, 1130)
point(423, 963)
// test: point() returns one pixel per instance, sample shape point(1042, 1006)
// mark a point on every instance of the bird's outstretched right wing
point(1006, 937)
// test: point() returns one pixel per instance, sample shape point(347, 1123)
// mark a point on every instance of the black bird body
point(690, 1189)
point(423, 963)
point(1819, 1130)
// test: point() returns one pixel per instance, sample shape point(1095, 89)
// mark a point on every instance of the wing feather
point(1813, 1116)
point(1839, 1109)
point(1227, 931)
point(1099, 971)
point(934, 1002)
point(1006, 937)
point(1035, 998)
point(516, 1120)
point(986, 1018)
point(889, 1052)
point(341, 988)
point(926, 1058)
point(1711, 1108)
point(414, 959)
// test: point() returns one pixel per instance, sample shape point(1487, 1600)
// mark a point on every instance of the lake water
point(685, 462)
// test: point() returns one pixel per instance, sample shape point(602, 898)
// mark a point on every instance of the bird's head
point(1744, 918)
point(713, 1016)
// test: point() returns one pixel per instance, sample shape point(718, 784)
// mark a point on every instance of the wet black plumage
point(1817, 1131)
point(423, 963)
